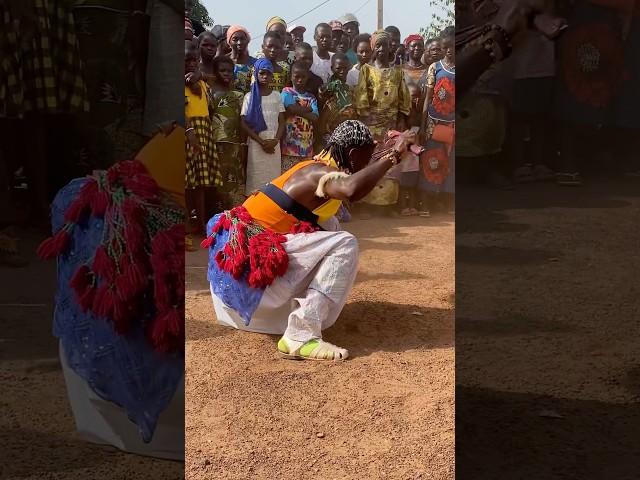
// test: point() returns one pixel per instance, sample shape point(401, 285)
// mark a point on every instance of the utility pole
point(380, 10)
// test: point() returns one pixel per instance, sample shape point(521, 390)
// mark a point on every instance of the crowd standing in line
point(277, 107)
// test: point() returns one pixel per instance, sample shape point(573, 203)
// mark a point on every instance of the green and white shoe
point(315, 349)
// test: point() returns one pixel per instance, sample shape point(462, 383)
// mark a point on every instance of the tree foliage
point(443, 16)
point(201, 14)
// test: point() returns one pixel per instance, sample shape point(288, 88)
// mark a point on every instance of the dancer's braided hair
point(349, 134)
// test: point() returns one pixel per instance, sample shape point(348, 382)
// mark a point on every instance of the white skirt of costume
point(313, 292)
point(103, 422)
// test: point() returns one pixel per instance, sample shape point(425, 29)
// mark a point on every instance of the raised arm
point(355, 187)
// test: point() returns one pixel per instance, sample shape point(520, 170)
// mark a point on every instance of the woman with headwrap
point(263, 120)
point(414, 68)
point(238, 39)
point(381, 96)
point(280, 263)
point(383, 103)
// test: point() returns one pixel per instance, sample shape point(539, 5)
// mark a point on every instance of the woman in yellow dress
point(381, 97)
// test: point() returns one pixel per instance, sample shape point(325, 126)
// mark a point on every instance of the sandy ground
point(547, 332)
point(38, 439)
point(386, 413)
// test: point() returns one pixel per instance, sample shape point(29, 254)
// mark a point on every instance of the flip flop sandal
point(316, 349)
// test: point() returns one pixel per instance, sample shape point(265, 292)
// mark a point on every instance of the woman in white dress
point(262, 117)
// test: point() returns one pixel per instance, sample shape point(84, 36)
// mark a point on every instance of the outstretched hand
point(401, 142)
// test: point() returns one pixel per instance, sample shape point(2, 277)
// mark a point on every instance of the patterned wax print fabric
point(438, 161)
point(115, 75)
point(338, 107)
point(443, 81)
point(598, 68)
point(40, 65)
point(280, 79)
point(380, 96)
point(298, 138)
point(242, 75)
point(225, 115)
point(202, 168)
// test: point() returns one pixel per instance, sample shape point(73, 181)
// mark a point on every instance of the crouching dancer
point(280, 264)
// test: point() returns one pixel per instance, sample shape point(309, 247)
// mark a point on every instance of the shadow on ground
point(513, 324)
point(517, 436)
point(492, 255)
point(368, 327)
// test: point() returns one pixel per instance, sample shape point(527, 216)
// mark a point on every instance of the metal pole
point(380, 10)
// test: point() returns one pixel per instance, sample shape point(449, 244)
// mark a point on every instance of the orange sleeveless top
point(266, 212)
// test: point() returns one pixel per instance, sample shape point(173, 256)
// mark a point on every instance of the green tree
point(443, 16)
point(201, 14)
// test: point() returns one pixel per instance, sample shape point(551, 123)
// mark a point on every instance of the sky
point(407, 15)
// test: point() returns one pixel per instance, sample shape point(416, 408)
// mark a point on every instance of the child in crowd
point(202, 174)
point(279, 26)
point(208, 47)
point(362, 44)
point(289, 45)
point(304, 56)
point(394, 42)
point(322, 55)
point(225, 112)
point(343, 45)
point(336, 35)
point(412, 182)
point(337, 99)
point(262, 118)
point(297, 33)
point(301, 115)
point(271, 49)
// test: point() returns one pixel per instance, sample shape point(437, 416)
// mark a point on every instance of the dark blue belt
point(289, 205)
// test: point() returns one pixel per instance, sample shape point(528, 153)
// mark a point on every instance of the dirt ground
point(38, 438)
point(547, 327)
point(386, 413)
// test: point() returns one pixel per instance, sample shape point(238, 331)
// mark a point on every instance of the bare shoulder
point(305, 181)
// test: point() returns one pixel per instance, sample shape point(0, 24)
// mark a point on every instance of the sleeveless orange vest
point(268, 214)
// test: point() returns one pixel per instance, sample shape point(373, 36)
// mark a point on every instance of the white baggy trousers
point(311, 295)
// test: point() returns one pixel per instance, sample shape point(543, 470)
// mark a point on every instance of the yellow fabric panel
point(165, 159)
point(195, 106)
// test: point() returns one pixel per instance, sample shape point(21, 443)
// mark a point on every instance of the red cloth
point(411, 38)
